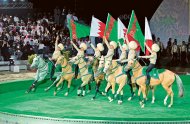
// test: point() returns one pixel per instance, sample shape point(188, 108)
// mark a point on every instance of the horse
point(85, 76)
point(67, 74)
point(43, 71)
point(119, 75)
point(98, 76)
point(165, 77)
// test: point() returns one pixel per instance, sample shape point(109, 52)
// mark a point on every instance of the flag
point(97, 28)
point(122, 30)
point(134, 32)
point(77, 30)
point(111, 29)
point(148, 36)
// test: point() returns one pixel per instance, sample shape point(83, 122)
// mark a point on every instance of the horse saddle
point(154, 73)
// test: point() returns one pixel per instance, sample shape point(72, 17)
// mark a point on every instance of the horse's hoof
point(152, 102)
point(141, 103)
point(146, 99)
point(129, 99)
point(66, 94)
point(93, 98)
point(46, 89)
point(54, 93)
point(142, 106)
point(165, 103)
point(33, 89)
point(110, 99)
point(120, 102)
point(169, 106)
point(27, 92)
point(103, 94)
point(88, 91)
point(58, 89)
point(78, 94)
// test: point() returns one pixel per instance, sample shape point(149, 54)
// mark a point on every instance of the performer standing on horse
point(80, 53)
point(111, 47)
point(97, 50)
point(152, 58)
point(124, 49)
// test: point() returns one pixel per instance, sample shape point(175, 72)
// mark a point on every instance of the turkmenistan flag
point(77, 30)
point(122, 30)
point(111, 29)
point(134, 32)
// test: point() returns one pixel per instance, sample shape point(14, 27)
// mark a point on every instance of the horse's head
point(60, 60)
point(132, 64)
point(108, 64)
point(36, 62)
point(56, 54)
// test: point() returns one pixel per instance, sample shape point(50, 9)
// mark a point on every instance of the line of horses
point(108, 70)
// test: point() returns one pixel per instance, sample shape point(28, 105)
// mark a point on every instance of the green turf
point(14, 100)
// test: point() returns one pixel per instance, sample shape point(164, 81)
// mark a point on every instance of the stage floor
point(13, 100)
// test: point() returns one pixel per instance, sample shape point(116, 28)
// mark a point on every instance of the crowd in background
point(36, 34)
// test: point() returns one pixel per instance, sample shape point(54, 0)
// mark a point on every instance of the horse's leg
point(57, 85)
point(68, 87)
point(97, 89)
point(84, 90)
point(108, 87)
point(143, 89)
point(32, 86)
point(113, 92)
point(139, 95)
point(153, 97)
point(132, 93)
point(89, 87)
point(120, 101)
point(169, 93)
point(57, 79)
point(121, 85)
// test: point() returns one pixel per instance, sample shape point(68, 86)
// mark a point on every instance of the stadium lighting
point(14, 0)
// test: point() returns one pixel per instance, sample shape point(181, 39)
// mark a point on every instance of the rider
point(111, 47)
point(131, 56)
point(80, 53)
point(124, 49)
point(97, 50)
point(152, 58)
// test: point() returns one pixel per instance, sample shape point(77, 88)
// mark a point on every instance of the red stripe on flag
point(101, 29)
point(73, 26)
point(149, 43)
point(110, 27)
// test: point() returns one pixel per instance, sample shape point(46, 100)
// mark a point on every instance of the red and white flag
point(97, 28)
point(148, 36)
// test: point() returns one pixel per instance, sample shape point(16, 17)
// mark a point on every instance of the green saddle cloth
point(154, 73)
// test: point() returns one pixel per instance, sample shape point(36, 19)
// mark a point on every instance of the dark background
point(99, 8)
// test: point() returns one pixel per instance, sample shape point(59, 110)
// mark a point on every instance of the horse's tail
point(179, 85)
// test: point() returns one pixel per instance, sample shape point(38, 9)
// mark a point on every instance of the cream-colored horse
point(67, 73)
point(98, 75)
point(119, 77)
point(166, 79)
point(85, 76)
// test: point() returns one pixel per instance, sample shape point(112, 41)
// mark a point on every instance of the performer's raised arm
point(120, 46)
point(148, 48)
point(75, 46)
point(93, 47)
point(107, 44)
point(56, 42)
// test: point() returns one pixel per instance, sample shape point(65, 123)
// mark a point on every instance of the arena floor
point(40, 103)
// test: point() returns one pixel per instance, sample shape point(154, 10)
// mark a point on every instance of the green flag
point(77, 30)
point(134, 32)
point(111, 28)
